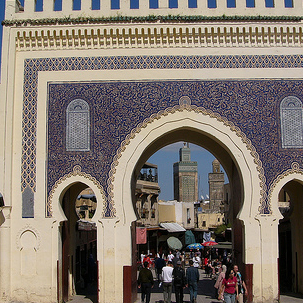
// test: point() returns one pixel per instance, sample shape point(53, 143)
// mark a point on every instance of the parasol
point(174, 243)
point(209, 243)
point(194, 246)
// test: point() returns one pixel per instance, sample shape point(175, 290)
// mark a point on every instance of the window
point(77, 126)
point(188, 215)
point(291, 116)
point(204, 223)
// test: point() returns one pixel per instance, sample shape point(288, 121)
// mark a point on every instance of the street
point(206, 294)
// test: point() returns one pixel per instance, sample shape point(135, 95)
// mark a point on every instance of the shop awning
point(224, 245)
point(172, 227)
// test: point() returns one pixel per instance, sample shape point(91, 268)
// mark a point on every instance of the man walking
point(167, 281)
point(145, 282)
point(179, 282)
point(242, 289)
point(159, 264)
point(192, 277)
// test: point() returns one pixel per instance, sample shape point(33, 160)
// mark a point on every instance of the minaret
point(185, 177)
point(216, 186)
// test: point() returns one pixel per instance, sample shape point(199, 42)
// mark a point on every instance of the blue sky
point(167, 156)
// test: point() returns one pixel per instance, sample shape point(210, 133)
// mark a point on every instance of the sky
point(167, 156)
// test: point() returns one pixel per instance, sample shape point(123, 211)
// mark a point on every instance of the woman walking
point(219, 282)
point(229, 287)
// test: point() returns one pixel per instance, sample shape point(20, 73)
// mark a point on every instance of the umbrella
point(174, 243)
point(194, 246)
point(209, 243)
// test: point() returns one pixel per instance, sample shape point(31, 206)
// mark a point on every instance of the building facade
point(185, 177)
point(88, 95)
point(147, 192)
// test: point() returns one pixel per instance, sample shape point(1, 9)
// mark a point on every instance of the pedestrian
point(197, 260)
point(192, 279)
point(148, 260)
point(170, 256)
point(229, 287)
point(167, 281)
point(179, 282)
point(145, 282)
point(175, 261)
point(242, 289)
point(142, 257)
point(178, 253)
point(209, 269)
point(219, 281)
point(159, 264)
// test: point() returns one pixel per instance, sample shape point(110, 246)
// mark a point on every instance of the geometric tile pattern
point(33, 66)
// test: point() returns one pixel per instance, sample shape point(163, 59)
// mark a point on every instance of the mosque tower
point(185, 177)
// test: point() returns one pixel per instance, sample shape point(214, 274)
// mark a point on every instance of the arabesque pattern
point(257, 119)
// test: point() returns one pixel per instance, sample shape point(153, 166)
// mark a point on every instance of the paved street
point(206, 294)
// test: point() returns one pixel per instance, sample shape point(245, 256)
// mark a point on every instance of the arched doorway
point(290, 237)
point(79, 243)
point(227, 146)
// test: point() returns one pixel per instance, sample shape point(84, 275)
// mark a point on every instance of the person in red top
point(148, 260)
point(229, 287)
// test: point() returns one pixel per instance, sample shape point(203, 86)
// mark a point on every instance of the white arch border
point(186, 116)
point(56, 194)
point(295, 173)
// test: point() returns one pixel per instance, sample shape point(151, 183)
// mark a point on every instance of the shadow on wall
point(2, 218)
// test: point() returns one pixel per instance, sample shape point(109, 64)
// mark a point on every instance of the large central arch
point(232, 149)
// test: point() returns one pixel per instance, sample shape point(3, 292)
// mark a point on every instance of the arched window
point(291, 115)
point(77, 126)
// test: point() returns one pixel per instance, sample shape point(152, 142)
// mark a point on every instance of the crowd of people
point(174, 270)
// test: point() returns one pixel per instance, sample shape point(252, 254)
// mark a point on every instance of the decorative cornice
point(146, 19)
point(160, 35)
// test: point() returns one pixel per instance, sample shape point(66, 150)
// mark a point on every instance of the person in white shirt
point(197, 260)
point(167, 281)
point(170, 257)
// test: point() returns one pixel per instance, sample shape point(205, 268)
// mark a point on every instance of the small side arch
point(54, 208)
point(292, 174)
